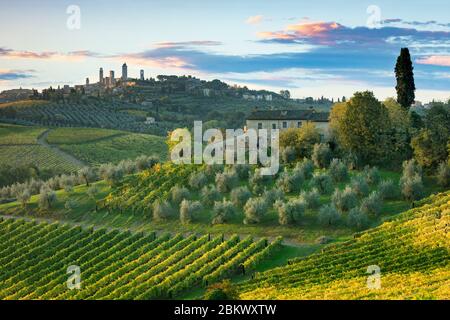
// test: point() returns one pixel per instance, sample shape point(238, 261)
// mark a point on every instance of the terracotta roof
point(309, 115)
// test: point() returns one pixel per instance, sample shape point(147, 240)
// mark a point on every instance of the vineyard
point(412, 252)
point(34, 258)
point(88, 113)
point(138, 193)
point(19, 146)
point(97, 146)
point(19, 135)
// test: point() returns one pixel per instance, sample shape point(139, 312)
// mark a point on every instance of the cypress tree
point(405, 79)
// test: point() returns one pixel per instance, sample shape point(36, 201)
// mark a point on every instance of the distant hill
point(151, 106)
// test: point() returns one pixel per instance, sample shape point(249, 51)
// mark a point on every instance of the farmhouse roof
point(309, 115)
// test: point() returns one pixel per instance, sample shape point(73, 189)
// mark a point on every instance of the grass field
point(97, 146)
point(114, 264)
point(19, 135)
point(19, 146)
point(411, 252)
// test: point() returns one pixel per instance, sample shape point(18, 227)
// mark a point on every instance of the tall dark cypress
point(405, 79)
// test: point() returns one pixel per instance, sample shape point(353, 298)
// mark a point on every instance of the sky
point(312, 48)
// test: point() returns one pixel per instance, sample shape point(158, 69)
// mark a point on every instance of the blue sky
point(329, 48)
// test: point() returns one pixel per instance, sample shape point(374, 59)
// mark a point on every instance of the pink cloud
point(254, 19)
point(313, 29)
point(170, 44)
point(279, 35)
point(319, 31)
point(435, 60)
point(71, 56)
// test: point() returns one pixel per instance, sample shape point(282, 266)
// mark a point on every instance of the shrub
point(344, 200)
point(290, 182)
point(257, 181)
point(241, 170)
point(410, 169)
point(357, 219)
point(412, 188)
point(322, 182)
point(372, 204)
point(272, 195)
point(178, 194)
point(321, 155)
point(23, 196)
point(70, 204)
point(338, 170)
point(67, 182)
point(288, 154)
point(306, 168)
point(210, 195)
point(221, 291)
point(162, 210)
point(372, 175)
point(360, 186)
point(387, 189)
point(92, 192)
point(212, 169)
point(111, 174)
point(254, 210)
point(35, 185)
point(443, 175)
point(87, 174)
point(226, 181)
point(197, 180)
point(188, 209)
point(47, 197)
point(127, 166)
point(289, 212)
point(145, 162)
point(53, 183)
point(328, 215)
point(223, 211)
point(239, 196)
point(310, 198)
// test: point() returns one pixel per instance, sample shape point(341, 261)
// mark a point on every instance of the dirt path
point(42, 140)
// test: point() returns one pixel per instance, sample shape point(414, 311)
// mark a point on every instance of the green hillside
point(52, 152)
point(412, 252)
point(97, 146)
point(19, 146)
point(115, 265)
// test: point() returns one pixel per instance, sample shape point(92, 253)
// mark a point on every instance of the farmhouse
point(285, 119)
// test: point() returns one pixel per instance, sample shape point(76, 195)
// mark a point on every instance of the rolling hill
point(411, 251)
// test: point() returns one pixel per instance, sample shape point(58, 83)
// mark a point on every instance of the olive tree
point(322, 182)
point(223, 211)
point(321, 155)
point(178, 194)
point(239, 196)
point(328, 215)
point(188, 209)
point(344, 200)
point(338, 170)
point(254, 210)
